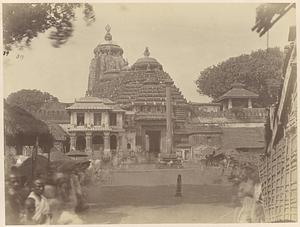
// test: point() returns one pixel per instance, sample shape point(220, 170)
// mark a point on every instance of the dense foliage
point(24, 21)
point(260, 71)
point(30, 100)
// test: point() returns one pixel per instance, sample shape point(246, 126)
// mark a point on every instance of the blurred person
point(29, 212)
point(42, 213)
point(14, 199)
point(249, 194)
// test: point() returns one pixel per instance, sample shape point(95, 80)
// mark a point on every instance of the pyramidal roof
point(237, 91)
point(94, 103)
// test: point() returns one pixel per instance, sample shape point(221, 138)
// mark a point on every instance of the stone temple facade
point(141, 89)
point(136, 111)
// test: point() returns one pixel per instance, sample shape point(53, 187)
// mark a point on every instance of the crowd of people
point(56, 198)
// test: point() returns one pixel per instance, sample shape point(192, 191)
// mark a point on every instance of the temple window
point(113, 119)
point(113, 142)
point(97, 118)
point(128, 146)
point(209, 140)
point(158, 109)
point(80, 119)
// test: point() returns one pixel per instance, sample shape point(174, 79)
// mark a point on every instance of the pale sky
point(184, 38)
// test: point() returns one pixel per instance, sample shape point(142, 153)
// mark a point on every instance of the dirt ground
point(157, 204)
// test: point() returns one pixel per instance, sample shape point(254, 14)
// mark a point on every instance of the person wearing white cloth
point(42, 209)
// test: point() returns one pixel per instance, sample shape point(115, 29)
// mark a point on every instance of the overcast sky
point(184, 38)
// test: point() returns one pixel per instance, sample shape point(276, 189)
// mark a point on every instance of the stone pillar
point(120, 120)
point(86, 118)
point(91, 118)
point(73, 118)
point(250, 103)
point(169, 137)
point(120, 141)
point(224, 106)
point(106, 144)
point(105, 119)
point(88, 141)
point(72, 141)
point(229, 103)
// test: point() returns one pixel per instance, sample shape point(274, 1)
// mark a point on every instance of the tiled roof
point(243, 138)
point(139, 88)
point(204, 104)
point(90, 99)
point(237, 92)
point(89, 106)
point(94, 103)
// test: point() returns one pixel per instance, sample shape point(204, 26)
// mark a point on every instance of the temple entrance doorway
point(153, 142)
point(80, 143)
point(113, 144)
point(97, 142)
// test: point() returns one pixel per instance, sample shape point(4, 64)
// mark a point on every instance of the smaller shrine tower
point(237, 96)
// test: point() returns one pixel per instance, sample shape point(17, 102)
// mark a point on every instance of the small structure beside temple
point(96, 125)
point(237, 96)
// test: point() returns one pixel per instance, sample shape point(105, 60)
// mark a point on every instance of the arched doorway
point(97, 143)
point(80, 143)
point(113, 142)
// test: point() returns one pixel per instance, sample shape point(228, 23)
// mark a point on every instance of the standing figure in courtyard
point(249, 192)
point(41, 206)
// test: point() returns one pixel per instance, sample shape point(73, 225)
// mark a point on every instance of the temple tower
point(108, 61)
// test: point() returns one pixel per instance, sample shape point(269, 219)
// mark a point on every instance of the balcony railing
point(93, 127)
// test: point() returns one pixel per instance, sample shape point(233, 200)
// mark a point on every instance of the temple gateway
point(137, 110)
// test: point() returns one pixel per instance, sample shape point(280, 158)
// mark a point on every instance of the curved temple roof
point(146, 62)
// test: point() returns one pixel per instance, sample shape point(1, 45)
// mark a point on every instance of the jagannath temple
point(138, 110)
point(141, 89)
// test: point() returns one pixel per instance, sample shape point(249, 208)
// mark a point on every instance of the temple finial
point(147, 52)
point(108, 36)
point(107, 28)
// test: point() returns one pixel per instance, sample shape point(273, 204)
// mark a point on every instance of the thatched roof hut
point(21, 128)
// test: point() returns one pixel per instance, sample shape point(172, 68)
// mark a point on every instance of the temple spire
point(147, 52)
point(108, 36)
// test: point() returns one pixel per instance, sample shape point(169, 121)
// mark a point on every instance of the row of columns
point(229, 106)
point(89, 118)
point(88, 141)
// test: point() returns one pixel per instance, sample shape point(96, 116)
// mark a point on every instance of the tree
point(24, 21)
point(30, 100)
point(260, 71)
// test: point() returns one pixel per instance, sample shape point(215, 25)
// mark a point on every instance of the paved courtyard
point(157, 204)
